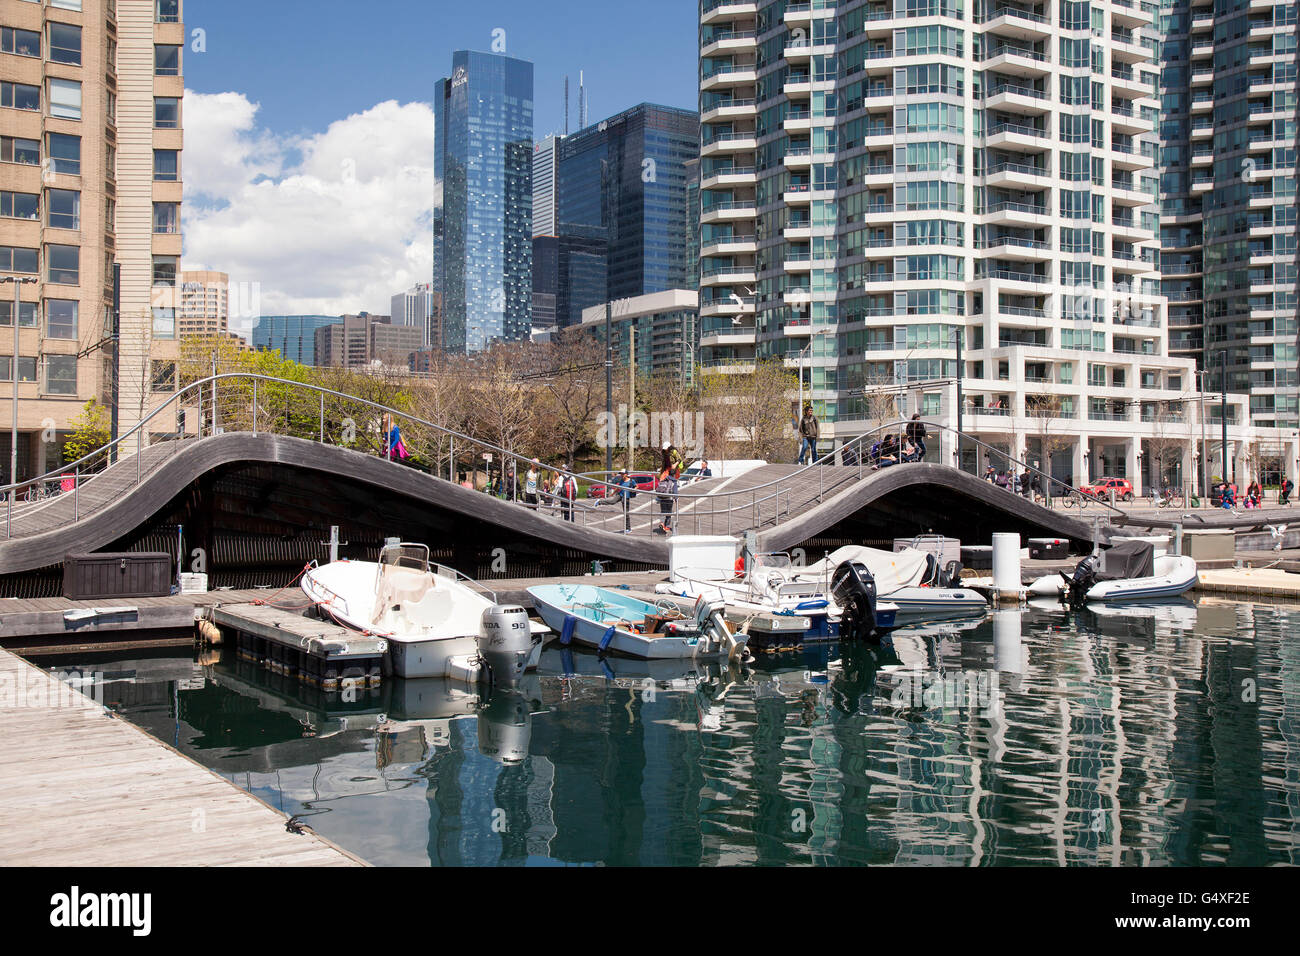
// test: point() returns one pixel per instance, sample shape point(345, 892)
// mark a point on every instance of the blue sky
point(308, 64)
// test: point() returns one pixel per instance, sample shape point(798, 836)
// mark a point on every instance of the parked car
point(1102, 487)
point(645, 481)
point(720, 468)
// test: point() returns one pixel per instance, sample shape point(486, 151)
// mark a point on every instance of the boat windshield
point(413, 556)
point(778, 560)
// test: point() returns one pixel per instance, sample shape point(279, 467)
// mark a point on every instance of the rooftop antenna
point(582, 102)
point(566, 105)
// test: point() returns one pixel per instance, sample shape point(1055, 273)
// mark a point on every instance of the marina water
point(1164, 735)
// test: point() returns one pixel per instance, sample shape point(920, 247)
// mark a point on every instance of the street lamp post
point(18, 282)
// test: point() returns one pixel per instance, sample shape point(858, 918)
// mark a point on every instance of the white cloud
point(331, 223)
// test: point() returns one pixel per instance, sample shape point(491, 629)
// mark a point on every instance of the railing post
point(254, 408)
point(76, 494)
point(139, 448)
point(322, 418)
point(451, 460)
point(214, 406)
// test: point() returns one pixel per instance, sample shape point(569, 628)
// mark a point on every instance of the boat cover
point(891, 569)
point(1128, 559)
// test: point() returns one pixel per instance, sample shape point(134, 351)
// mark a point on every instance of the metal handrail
point(198, 387)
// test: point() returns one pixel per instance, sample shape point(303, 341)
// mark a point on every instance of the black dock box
point(1046, 548)
point(89, 577)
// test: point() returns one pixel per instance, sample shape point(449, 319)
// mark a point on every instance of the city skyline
point(294, 133)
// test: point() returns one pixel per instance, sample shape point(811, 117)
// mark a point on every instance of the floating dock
point(86, 788)
point(316, 652)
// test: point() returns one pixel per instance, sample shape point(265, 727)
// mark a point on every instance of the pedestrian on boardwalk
point(530, 485)
point(990, 475)
point(916, 435)
point(670, 471)
point(626, 491)
point(809, 432)
point(568, 489)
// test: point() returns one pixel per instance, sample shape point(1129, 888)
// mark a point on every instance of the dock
point(84, 787)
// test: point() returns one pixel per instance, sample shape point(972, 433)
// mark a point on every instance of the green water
point(1159, 736)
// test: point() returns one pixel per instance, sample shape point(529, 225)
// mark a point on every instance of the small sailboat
point(1130, 571)
point(437, 622)
point(615, 621)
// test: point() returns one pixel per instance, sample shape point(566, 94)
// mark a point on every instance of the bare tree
point(750, 413)
point(1048, 413)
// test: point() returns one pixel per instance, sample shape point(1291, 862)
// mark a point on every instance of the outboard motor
point(505, 642)
point(505, 727)
point(1080, 583)
point(854, 590)
point(951, 577)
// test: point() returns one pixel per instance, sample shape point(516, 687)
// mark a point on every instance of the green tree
point(90, 433)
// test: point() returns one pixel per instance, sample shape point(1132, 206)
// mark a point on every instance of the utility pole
point(1205, 454)
point(1223, 414)
point(958, 333)
point(631, 386)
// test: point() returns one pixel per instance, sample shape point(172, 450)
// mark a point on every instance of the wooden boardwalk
point(86, 788)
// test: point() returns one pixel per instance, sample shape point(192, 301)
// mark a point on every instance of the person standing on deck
point(916, 435)
point(809, 432)
point(626, 491)
point(670, 471)
point(530, 485)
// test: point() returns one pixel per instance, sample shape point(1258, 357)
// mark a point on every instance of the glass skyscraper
point(881, 180)
point(483, 201)
point(293, 336)
point(621, 207)
point(1228, 195)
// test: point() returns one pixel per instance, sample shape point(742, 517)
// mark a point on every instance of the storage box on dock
point(194, 583)
point(977, 557)
point(1041, 549)
point(702, 557)
point(1210, 545)
point(90, 577)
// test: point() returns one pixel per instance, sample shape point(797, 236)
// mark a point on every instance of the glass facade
point(1228, 196)
point(622, 205)
point(483, 204)
point(293, 336)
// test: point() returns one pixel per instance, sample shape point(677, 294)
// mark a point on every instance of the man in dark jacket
point(809, 432)
point(916, 435)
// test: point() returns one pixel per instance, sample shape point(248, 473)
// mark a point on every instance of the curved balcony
point(745, 142)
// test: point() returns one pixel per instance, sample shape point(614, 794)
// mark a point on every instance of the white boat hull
point(1178, 576)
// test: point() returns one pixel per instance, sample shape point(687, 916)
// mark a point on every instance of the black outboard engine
point(1078, 585)
point(854, 590)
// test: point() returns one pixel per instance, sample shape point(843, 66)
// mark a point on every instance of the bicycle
point(39, 492)
point(1169, 499)
point(1077, 499)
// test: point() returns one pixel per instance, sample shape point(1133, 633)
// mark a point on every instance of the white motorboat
point(1130, 571)
point(910, 579)
point(437, 622)
point(774, 585)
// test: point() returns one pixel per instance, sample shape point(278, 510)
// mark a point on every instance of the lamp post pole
point(18, 282)
point(1223, 408)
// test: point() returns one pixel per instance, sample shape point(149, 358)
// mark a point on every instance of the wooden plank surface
point(86, 788)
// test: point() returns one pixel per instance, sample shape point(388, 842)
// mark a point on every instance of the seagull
point(1277, 530)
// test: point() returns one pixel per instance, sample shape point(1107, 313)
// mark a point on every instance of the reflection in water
point(1135, 735)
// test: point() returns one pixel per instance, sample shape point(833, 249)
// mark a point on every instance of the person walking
point(670, 471)
point(809, 432)
point(568, 488)
point(1284, 495)
point(916, 435)
point(530, 485)
point(626, 492)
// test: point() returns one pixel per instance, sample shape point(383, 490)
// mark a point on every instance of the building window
point(26, 152)
point(61, 318)
point(163, 376)
point(166, 165)
point(26, 369)
point(18, 259)
point(164, 322)
point(166, 218)
point(65, 99)
point(64, 208)
point(166, 60)
point(65, 43)
point(26, 314)
point(166, 112)
point(61, 374)
point(20, 205)
point(164, 270)
point(168, 11)
point(20, 42)
point(19, 96)
point(66, 4)
point(65, 153)
point(63, 264)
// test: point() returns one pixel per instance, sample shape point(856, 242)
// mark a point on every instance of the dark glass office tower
point(483, 203)
point(622, 184)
